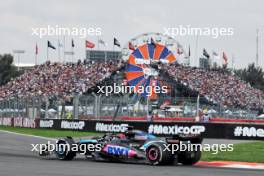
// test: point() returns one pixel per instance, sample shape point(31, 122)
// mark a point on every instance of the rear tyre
point(190, 158)
point(156, 155)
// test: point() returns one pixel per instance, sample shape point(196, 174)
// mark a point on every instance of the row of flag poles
point(90, 45)
point(224, 56)
point(180, 51)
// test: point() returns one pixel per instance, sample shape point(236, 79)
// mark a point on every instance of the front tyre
point(63, 151)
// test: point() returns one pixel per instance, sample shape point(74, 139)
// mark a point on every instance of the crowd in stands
point(76, 78)
point(58, 79)
point(218, 86)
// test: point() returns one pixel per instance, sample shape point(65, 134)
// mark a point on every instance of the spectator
point(217, 86)
point(58, 79)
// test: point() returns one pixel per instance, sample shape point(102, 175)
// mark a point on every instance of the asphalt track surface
point(17, 159)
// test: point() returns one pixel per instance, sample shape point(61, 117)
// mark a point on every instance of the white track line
point(28, 135)
point(241, 166)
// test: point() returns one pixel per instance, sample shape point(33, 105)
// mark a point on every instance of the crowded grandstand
point(69, 79)
point(58, 79)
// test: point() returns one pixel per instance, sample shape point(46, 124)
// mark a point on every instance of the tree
point(7, 70)
point(253, 75)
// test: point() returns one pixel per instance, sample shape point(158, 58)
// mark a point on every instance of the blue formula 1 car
point(132, 146)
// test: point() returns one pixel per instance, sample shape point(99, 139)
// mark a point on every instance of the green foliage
point(253, 75)
point(7, 70)
point(48, 132)
point(247, 152)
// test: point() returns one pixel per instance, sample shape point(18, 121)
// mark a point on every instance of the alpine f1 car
point(132, 146)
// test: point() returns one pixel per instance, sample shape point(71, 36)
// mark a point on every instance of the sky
point(125, 19)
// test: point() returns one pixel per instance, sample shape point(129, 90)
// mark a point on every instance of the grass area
point(48, 132)
point(247, 152)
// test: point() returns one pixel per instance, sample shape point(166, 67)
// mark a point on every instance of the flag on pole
point(205, 53)
point(36, 49)
point(89, 44)
point(116, 42)
point(225, 57)
point(50, 45)
point(36, 53)
point(179, 51)
point(100, 41)
point(215, 58)
point(72, 44)
point(152, 42)
point(215, 54)
point(131, 46)
point(189, 54)
point(59, 49)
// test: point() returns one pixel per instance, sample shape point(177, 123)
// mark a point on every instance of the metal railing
point(94, 106)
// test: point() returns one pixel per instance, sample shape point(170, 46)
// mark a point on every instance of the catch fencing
point(117, 107)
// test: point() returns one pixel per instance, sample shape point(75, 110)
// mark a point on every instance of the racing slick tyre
point(190, 158)
point(63, 151)
point(157, 155)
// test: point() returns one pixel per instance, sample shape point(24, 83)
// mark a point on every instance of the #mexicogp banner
point(208, 130)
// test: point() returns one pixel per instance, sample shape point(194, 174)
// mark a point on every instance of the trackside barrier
point(19, 122)
point(6, 121)
point(208, 130)
point(25, 122)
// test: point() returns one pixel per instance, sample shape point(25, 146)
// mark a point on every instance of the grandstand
point(58, 79)
point(222, 94)
point(218, 87)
